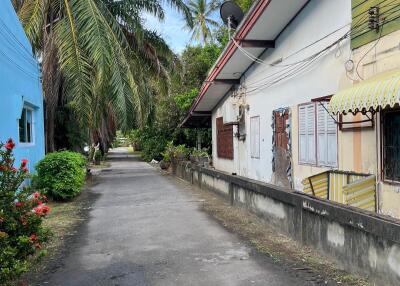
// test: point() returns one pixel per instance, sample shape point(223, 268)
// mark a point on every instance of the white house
point(302, 47)
point(267, 99)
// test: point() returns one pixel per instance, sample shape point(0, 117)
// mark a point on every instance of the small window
point(317, 135)
point(26, 126)
point(391, 145)
point(255, 137)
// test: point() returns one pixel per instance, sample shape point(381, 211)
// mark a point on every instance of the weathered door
point(281, 148)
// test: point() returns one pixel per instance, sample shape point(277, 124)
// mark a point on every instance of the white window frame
point(255, 137)
point(26, 107)
point(315, 158)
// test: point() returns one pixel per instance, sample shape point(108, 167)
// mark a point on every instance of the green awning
point(380, 91)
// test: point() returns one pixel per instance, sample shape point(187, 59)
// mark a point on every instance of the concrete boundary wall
point(360, 241)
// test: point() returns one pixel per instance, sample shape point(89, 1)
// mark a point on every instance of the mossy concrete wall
point(359, 241)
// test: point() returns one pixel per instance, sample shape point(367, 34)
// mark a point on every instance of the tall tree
point(244, 4)
point(98, 59)
point(203, 24)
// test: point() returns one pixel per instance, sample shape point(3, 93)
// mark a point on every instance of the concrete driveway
point(145, 229)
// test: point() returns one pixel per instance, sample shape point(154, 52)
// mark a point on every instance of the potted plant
point(200, 157)
point(181, 152)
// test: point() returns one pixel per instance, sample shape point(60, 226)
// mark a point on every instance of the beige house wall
point(359, 150)
point(384, 56)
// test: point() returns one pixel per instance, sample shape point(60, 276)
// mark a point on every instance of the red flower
point(33, 237)
point(14, 170)
point(45, 209)
point(19, 204)
point(41, 210)
point(9, 145)
point(25, 169)
point(36, 195)
point(23, 163)
point(3, 168)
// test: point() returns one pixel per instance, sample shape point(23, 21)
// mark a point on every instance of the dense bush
point(152, 141)
point(21, 213)
point(61, 175)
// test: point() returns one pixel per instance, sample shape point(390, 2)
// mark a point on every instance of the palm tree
point(203, 24)
point(98, 59)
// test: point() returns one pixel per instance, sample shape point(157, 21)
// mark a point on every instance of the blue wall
point(19, 85)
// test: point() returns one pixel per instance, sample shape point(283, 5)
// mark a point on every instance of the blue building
point(21, 100)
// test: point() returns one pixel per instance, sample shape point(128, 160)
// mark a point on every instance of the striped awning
point(380, 91)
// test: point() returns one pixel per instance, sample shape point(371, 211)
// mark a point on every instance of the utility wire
point(15, 38)
point(29, 60)
point(6, 57)
point(308, 60)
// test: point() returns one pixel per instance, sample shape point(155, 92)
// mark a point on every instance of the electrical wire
point(15, 37)
point(30, 60)
point(295, 65)
point(257, 60)
point(9, 60)
point(298, 69)
point(299, 62)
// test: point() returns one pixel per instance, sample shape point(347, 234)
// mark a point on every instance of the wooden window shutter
point(224, 140)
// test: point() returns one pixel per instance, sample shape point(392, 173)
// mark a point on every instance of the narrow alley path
point(144, 229)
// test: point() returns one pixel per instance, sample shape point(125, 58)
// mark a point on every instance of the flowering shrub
point(21, 214)
point(61, 175)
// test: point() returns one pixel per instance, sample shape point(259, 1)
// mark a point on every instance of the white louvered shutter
point(332, 141)
point(311, 158)
point(327, 138)
point(302, 134)
point(307, 134)
point(322, 136)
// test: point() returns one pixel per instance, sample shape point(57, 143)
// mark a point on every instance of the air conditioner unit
point(230, 113)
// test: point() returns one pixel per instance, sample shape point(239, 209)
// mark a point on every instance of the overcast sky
point(172, 28)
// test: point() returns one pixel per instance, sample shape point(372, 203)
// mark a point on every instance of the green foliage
point(61, 175)
point(244, 4)
point(203, 26)
point(185, 100)
point(21, 213)
point(121, 140)
point(174, 153)
point(199, 153)
point(99, 59)
point(197, 61)
point(170, 111)
point(152, 142)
